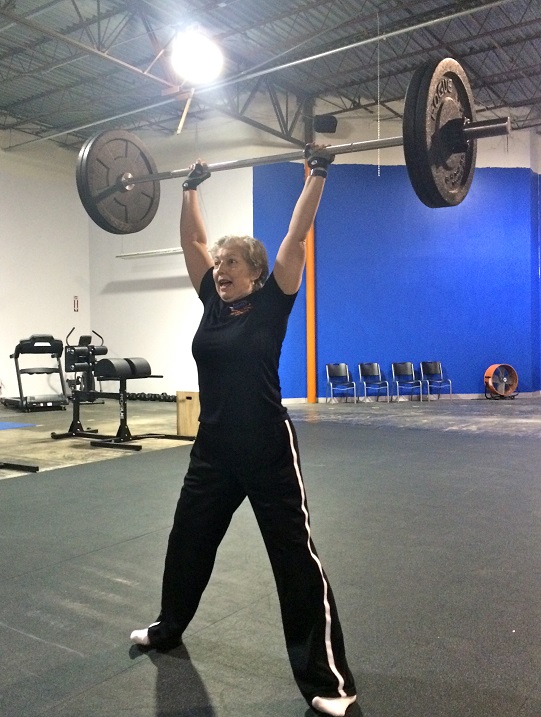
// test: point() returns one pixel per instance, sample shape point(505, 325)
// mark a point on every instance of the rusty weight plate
point(440, 165)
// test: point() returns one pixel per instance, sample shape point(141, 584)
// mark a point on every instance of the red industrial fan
point(501, 381)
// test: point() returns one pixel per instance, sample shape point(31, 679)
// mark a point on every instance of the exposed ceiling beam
point(42, 30)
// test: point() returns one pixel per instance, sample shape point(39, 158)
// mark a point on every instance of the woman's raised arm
point(193, 235)
point(291, 256)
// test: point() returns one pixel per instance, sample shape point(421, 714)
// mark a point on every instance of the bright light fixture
point(196, 58)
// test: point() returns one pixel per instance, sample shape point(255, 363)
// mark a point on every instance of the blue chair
point(405, 380)
point(339, 382)
point(432, 376)
point(371, 381)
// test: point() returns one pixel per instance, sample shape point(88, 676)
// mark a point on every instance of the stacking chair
point(339, 382)
point(432, 376)
point(405, 381)
point(372, 382)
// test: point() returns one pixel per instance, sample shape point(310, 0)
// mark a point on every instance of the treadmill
point(39, 344)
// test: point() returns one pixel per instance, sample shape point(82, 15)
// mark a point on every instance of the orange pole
point(311, 369)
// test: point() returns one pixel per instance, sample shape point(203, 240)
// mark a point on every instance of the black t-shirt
point(237, 351)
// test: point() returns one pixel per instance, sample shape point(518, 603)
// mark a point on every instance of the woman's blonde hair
point(253, 251)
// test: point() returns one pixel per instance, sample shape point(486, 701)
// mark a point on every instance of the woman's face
point(233, 276)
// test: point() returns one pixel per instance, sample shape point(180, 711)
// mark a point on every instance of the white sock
point(335, 706)
point(140, 637)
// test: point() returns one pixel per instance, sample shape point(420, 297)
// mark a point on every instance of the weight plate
point(410, 131)
point(103, 161)
point(438, 98)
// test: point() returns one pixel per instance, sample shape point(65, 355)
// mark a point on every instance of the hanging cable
point(379, 96)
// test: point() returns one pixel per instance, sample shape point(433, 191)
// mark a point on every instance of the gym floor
point(426, 517)
point(33, 444)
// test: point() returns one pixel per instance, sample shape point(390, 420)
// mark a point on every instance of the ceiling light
point(196, 58)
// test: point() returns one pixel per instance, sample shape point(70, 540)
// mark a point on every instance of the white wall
point(52, 251)
point(44, 259)
point(535, 152)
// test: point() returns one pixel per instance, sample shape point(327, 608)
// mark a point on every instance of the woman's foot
point(140, 637)
point(335, 706)
point(155, 638)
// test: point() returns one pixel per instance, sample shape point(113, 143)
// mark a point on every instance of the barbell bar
point(477, 130)
point(118, 182)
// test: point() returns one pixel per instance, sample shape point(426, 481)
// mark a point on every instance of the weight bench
point(121, 370)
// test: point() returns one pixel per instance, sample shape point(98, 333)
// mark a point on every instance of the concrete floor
point(520, 416)
point(33, 445)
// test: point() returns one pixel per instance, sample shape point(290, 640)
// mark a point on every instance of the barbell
point(118, 182)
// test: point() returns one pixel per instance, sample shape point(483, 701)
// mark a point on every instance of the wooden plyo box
point(187, 413)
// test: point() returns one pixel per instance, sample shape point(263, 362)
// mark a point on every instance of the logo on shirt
point(240, 308)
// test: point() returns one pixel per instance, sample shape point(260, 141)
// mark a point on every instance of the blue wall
point(276, 189)
point(397, 281)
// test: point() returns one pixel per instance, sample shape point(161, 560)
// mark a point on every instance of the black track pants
point(265, 467)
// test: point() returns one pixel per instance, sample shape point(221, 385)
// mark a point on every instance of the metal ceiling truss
point(24, 115)
point(119, 55)
point(289, 112)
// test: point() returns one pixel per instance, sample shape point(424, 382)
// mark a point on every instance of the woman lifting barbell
point(246, 445)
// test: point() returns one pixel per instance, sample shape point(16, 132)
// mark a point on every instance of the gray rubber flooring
point(427, 519)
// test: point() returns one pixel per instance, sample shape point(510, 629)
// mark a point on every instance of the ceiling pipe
point(376, 38)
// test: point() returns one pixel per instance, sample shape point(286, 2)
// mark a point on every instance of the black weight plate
point(87, 197)
point(426, 176)
point(439, 94)
point(102, 161)
point(82, 185)
point(410, 131)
